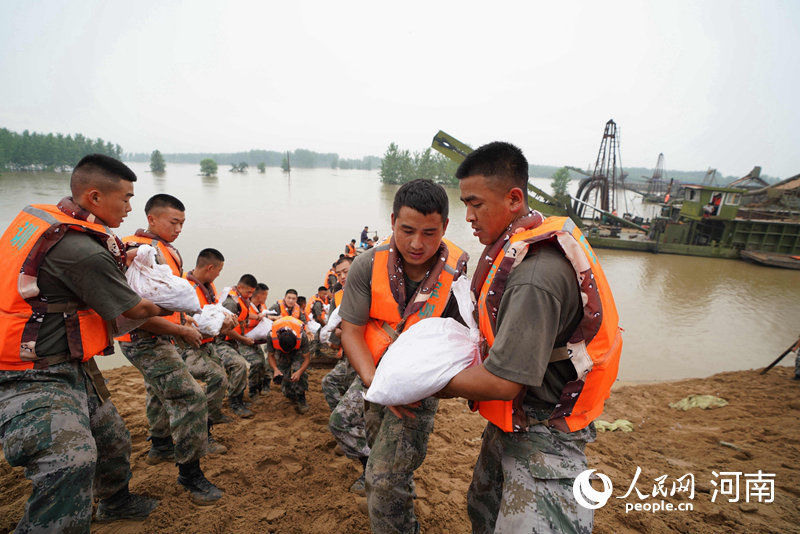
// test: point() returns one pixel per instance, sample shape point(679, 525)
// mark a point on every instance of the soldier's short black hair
point(101, 171)
point(287, 340)
point(301, 300)
point(261, 287)
point(499, 161)
point(248, 280)
point(291, 291)
point(343, 259)
point(209, 255)
point(322, 288)
point(352, 240)
point(162, 200)
point(423, 196)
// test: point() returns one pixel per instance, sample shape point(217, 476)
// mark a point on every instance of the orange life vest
point(310, 307)
point(350, 250)
point(328, 275)
point(252, 323)
point(23, 247)
point(285, 311)
point(201, 296)
point(383, 325)
point(164, 256)
point(594, 347)
point(284, 323)
point(244, 312)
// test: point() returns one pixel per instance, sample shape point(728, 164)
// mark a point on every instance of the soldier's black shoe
point(161, 450)
point(238, 408)
point(124, 505)
point(202, 492)
point(301, 406)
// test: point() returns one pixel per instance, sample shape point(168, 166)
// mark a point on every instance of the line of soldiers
point(550, 351)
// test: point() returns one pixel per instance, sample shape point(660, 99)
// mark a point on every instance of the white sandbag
point(312, 326)
point(212, 316)
point(156, 282)
point(261, 331)
point(333, 321)
point(426, 356)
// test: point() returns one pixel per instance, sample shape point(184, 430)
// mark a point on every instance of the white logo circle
point(586, 495)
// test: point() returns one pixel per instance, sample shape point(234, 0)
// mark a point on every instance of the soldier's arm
point(273, 363)
point(145, 309)
point(240, 338)
point(477, 383)
point(357, 351)
point(160, 326)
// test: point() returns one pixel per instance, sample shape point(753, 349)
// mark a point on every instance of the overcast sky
point(710, 84)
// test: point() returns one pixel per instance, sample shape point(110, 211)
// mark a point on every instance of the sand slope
point(282, 474)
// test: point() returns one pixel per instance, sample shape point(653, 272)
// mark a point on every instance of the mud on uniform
point(73, 446)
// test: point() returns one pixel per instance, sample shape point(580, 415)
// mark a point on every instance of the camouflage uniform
point(176, 405)
point(397, 449)
point(235, 367)
point(258, 376)
point(288, 364)
point(204, 364)
point(522, 481)
point(797, 364)
point(336, 382)
point(73, 447)
point(347, 422)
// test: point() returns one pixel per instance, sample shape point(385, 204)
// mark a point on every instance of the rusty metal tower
point(656, 185)
point(599, 189)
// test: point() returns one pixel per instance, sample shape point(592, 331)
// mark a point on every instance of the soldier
point(234, 364)
point(405, 279)
point(204, 362)
point(241, 348)
point(288, 306)
point(176, 405)
point(61, 284)
point(533, 280)
point(287, 351)
point(260, 374)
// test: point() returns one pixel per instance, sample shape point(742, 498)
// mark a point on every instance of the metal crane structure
point(601, 186)
point(656, 186)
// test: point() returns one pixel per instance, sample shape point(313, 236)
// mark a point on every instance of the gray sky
point(707, 83)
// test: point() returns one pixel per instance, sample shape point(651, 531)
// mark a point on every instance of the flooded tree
point(559, 185)
point(262, 167)
point(157, 163)
point(208, 167)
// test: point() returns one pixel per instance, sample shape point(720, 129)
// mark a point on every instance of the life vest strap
point(69, 307)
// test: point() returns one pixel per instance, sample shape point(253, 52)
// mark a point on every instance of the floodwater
point(683, 316)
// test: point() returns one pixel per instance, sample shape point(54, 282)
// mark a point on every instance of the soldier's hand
point(295, 376)
point(337, 332)
point(277, 377)
point(190, 320)
point(405, 411)
point(249, 342)
point(192, 336)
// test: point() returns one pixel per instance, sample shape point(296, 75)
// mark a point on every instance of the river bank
point(281, 473)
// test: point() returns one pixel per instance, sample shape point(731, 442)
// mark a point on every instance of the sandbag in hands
point(261, 331)
point(424, 358)
point(212, 317)
point(326, 331)
point(156, 282)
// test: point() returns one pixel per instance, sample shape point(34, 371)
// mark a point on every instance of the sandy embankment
point(281, 473)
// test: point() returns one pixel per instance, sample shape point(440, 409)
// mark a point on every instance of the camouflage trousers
point(797, 363)
point(260, 374)
point(288, 364)
point(347, 422)
point(176, 405)
point(522, 481)
point(204, 364)
point(72, 446)
point(336, 382)
point(397, 449)
point(235, 366)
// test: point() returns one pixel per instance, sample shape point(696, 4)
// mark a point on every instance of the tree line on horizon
point(32, 151)
point(300, 158)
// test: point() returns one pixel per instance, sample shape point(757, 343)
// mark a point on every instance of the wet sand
point(281, 473)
